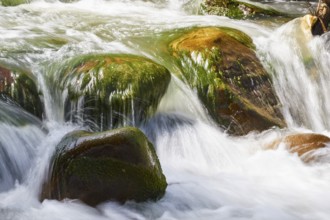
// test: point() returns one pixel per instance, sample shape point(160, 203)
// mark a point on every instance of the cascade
point(210, 173)
point(300, 74)
point(19, 140)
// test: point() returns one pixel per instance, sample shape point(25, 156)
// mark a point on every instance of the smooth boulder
point(221, 64)
point(111, 90)
point(116, 165)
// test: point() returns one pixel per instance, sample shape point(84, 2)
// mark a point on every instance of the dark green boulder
point(221, 64)
point(111, 90)
point(20, 86)
point(117, 165)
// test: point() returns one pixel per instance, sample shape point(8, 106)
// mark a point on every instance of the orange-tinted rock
point(304, 144)
point(221, 64)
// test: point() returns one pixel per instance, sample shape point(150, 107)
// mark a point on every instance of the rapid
point(210, 174)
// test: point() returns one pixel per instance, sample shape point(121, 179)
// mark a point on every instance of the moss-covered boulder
point(13, 2)
point(114, 165)
point(236, 9)
point(20, 86)
point(304, 145)
point(112, 90)
point(221, 64)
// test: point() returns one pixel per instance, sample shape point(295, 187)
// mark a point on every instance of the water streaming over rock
point(20, 135)
point(211, 175)
point(300, 71)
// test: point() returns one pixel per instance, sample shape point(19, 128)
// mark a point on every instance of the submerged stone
point(236, 9)
point(220, 63)
point(304, 145)
point(112, 90)
point(20, 86)
point(115, 165)
point(13, 2)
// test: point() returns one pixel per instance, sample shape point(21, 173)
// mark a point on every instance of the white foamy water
point(210, 174)
point(301, 74)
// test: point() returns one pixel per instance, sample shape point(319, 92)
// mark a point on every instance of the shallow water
point(211, 175)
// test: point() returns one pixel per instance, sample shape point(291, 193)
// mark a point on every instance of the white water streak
point(300, 66)
point(18, 146)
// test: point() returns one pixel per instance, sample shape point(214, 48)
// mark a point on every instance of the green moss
point(236, 9)
point(231, 82)
point(124, 181)
point(13, 2)
point(117, 89)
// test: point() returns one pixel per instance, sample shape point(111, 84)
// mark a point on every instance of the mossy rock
point(117, 165)
point(237, 9)
point(13, 2)
point(221, 64)
point(304, 144)
point(112, 90)
point(20, 86)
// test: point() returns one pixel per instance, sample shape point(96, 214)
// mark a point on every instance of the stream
point(210, 174)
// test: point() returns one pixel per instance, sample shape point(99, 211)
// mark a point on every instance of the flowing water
point(211, 175)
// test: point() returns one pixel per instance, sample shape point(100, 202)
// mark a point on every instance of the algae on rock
point(220, 63)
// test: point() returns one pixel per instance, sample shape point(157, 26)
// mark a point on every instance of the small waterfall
point(180, 98)
point(17, 153)
point(191, 144)
point(300, 67)
point(19, 140)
